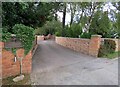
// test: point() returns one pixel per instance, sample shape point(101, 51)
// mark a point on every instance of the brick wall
point(86, 46)
point(11, 68)
point(2, 44)
point(80, 45)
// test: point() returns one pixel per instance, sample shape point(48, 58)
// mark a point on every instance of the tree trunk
point(64, 15)
point(73, 10)
point(56, 17)
point(71, 21)
point(90, 19)
point(72, 15)
point(81, 16)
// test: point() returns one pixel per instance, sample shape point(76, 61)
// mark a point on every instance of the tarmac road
point(53, 64)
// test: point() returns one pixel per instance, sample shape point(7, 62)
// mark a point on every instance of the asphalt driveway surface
point(53, 64)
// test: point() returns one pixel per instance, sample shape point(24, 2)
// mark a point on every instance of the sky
point(68, 17)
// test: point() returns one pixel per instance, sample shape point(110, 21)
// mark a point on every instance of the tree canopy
point(27, 13)
point(87, 17)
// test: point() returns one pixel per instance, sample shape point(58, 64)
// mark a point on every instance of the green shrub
point(108, 47)
point(26, 36)
point(73, 31)
point(76, 30)
point(40, 31)
point(86, 35)
point(57, 33)
point(50, 27)
point(37, 31)
point(5, 34)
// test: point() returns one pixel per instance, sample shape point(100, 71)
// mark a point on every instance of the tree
point(116, 16)
point(86, 10)
point(76, 30)
point(28, 13)
point(50, 27)
point(64, 15)
point(72, 10)
point(100, 24)
point(117, 5)
point(118, 24)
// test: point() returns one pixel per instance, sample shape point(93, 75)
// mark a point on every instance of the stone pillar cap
point(96, 35)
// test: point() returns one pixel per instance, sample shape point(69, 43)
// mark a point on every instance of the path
point(56, 65)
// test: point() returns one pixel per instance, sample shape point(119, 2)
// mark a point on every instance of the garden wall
point(10, 67)
point(86, 46)
point(80, 45)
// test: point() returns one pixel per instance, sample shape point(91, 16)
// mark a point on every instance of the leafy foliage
point(57, 33)
point(73, 31)
point(14, 51)
point(100, 24)
point(86, 35)
point(89, 15)
point(108, 47)
point(28, 13)
point(76, 30)
point(5, 34)
point(118, 24)
point(25, 34)
point(50, 28)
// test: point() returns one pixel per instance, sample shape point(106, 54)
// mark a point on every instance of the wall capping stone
point(96, 36)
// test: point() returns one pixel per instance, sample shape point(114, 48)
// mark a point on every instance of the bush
point(76, 30)
point(108, 47)
point(57, 33)
point(26, 36)
point(86, 35)
point(51, 27)
point(5, 34)
point(73, 31)
point(40, 31)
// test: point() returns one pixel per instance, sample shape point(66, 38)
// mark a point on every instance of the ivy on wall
point(26, 36)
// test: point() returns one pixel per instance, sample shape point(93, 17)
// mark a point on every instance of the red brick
point(86, 46)
point(2, 44)
point(11, 68)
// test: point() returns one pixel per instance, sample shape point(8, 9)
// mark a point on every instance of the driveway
point(56, 65)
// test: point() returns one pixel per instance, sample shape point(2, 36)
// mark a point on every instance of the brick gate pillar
point(94, 45)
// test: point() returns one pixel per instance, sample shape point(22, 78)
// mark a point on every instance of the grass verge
point(113, 55)
point(9, 81)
